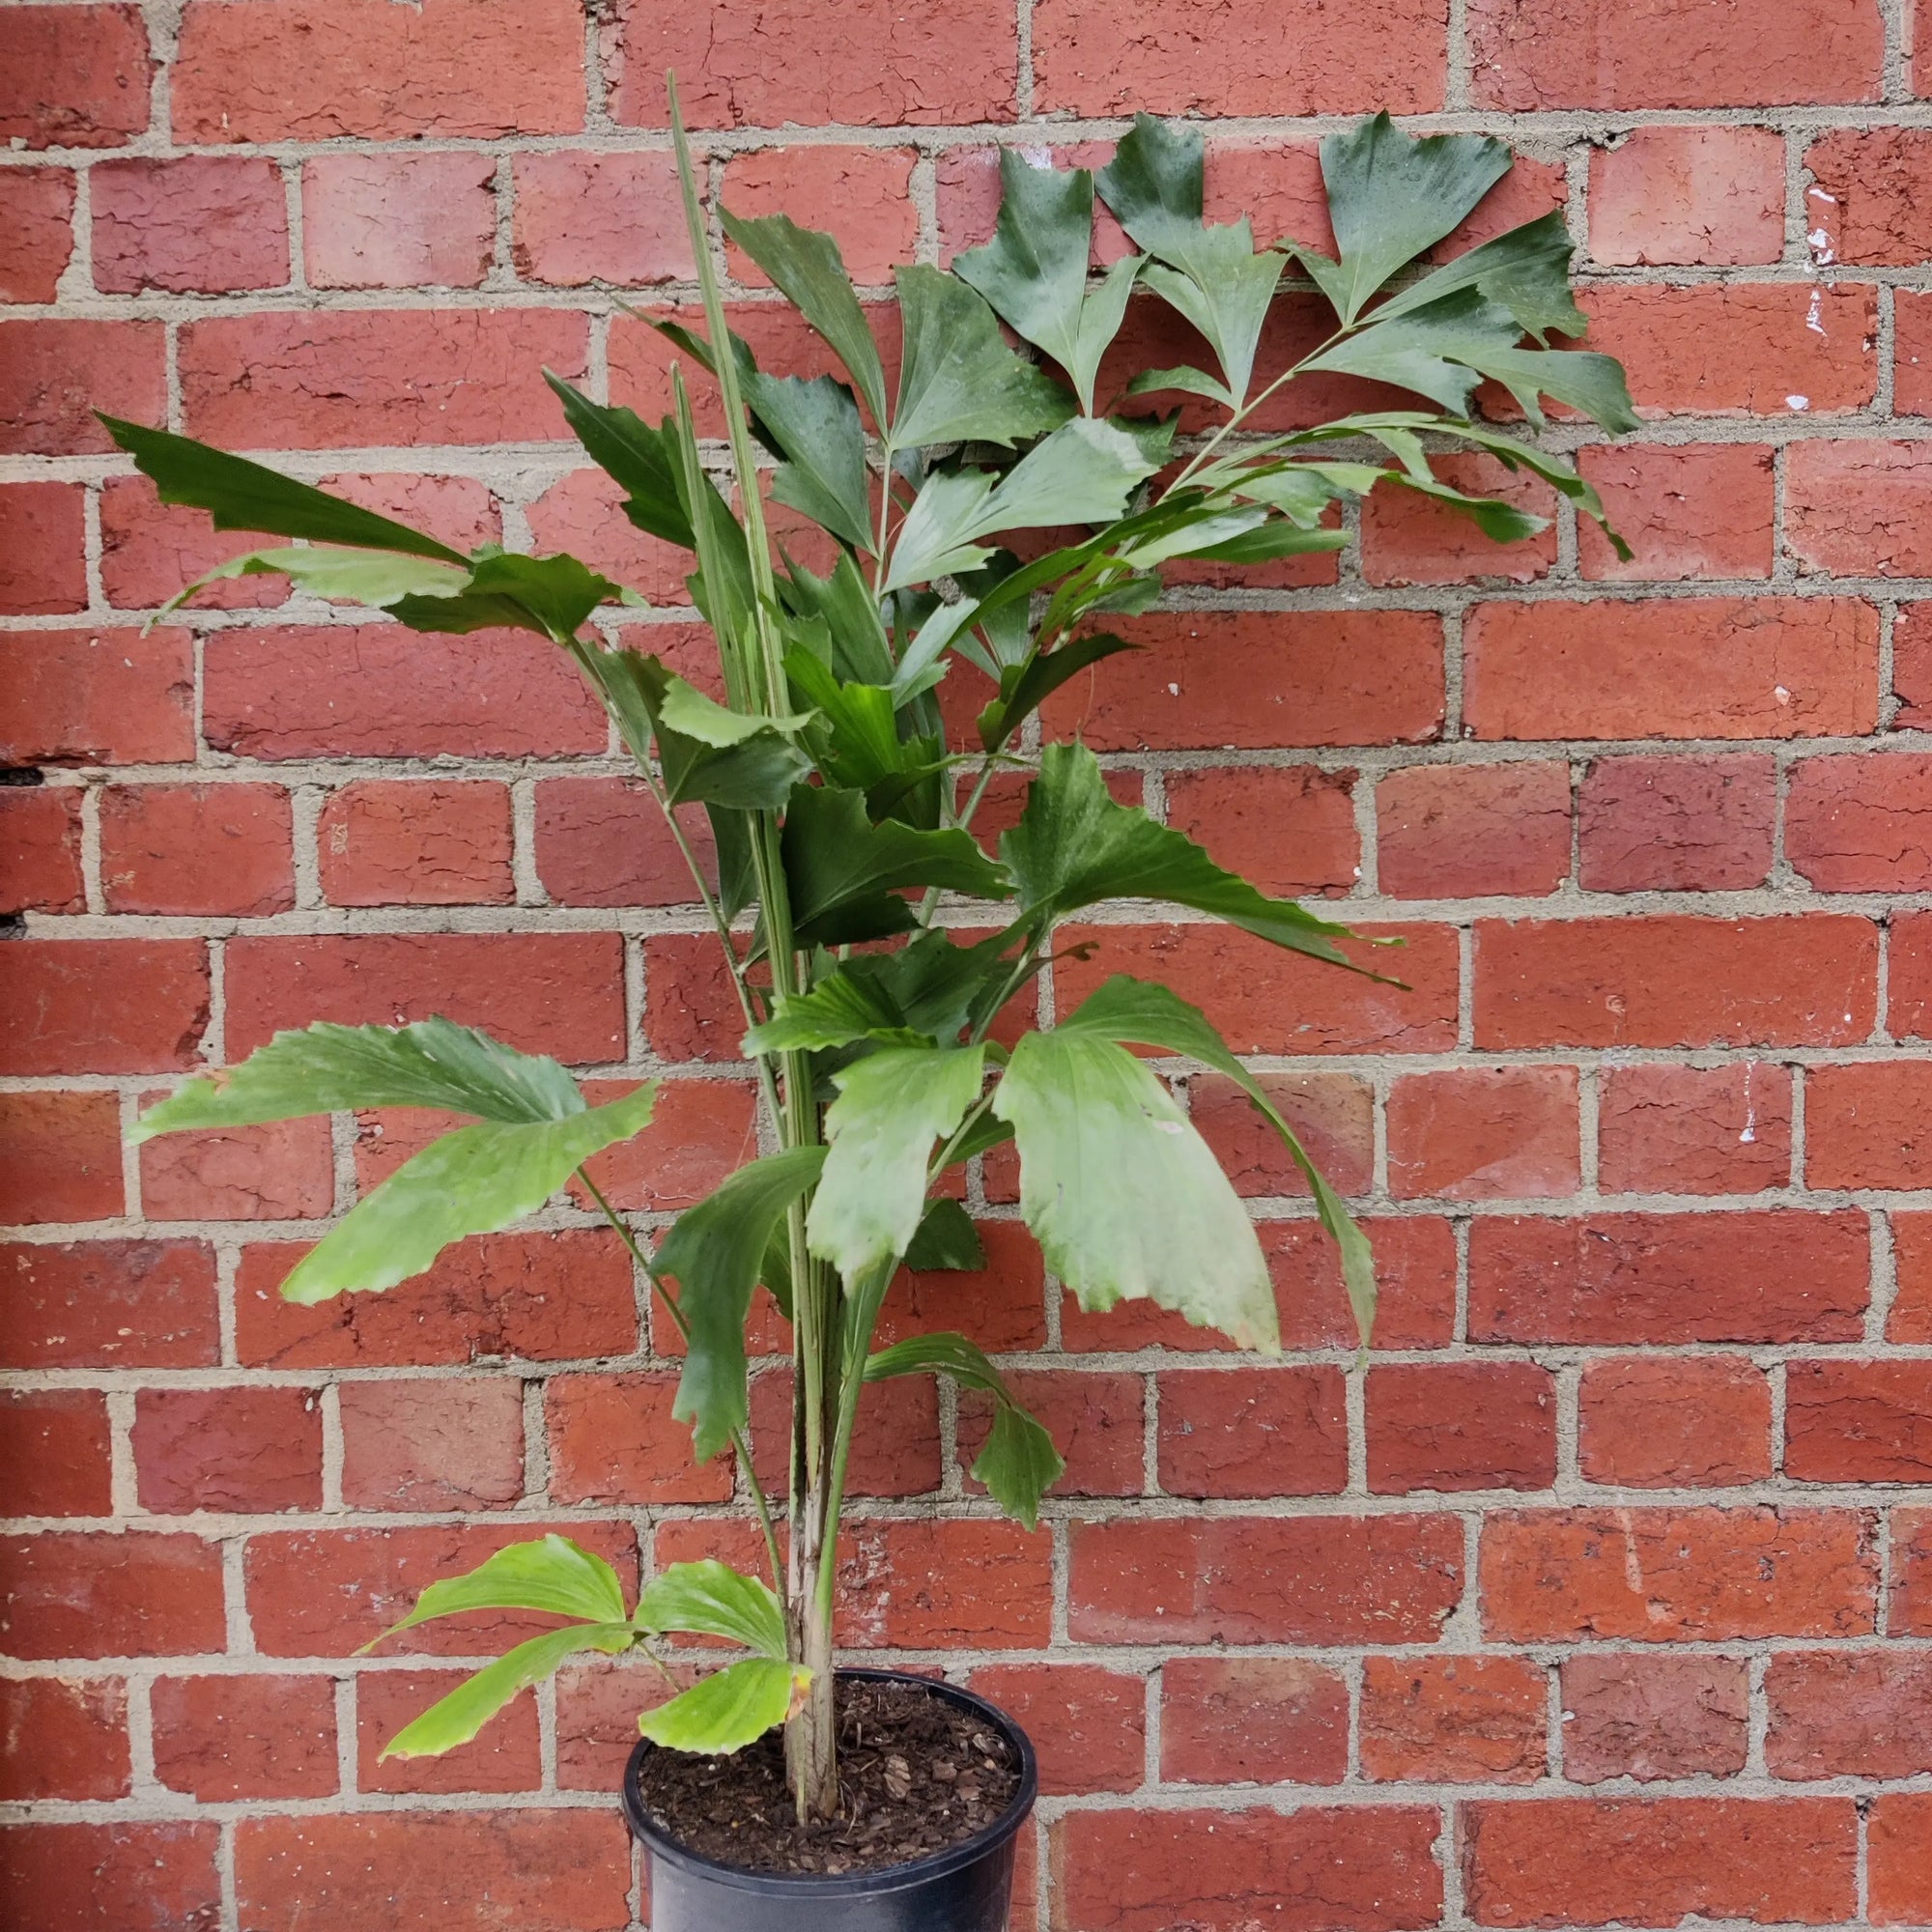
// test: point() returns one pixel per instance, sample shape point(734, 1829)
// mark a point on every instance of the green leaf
point(1391, 197)
point(711, 1599)
point(857, 741)
point(1034, 271)
point(715, 1253)
point(1527, 270)
point(808, 268)
point(892, 1106)
point(1019, 1463)
point(733, 760)
point(244, 495)
point(1075, 846)
point(844, 603)
point(959, 381)
point(1499, 521)
point(378, 578)
point(921, 994)
point(815, 424)
point(329, 1069)
point(844, 870)
point(1188, 381)
point(558, 591)
point(842, 1008)
point(457, 1718)
point(1132, 1011)
point(728, 1710)
point(551, 1574)
point(1122, 1194)
point(947, 1241)
point(472, 1181)
point(638, 459)
point(1083, 473)
point(1211, 275)
point(1025, 687)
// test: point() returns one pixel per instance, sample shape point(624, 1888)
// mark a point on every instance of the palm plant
point(870, 941)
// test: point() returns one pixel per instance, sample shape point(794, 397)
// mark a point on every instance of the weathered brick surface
point(1556, 1610)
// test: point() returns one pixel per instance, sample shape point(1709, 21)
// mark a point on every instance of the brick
point(1853, 824)
point(1466, 830)
point(1232, 1580)
point(1911, 1607)
point(944, 65)
point(1912, 392)
point(861, 196)
point(1460, 1426)
point(896, 1448)
point(1908, 1003)
point(503, 1757)
point(613, 1441)
point(381, 691)
point(201, 223)
point(280, 1171)
point(1615, 1280)
point(40, 850)
point(1900, 1850)
point(400, 841)
point(701, 1132)
point(689, 1013)
point(604, 843)
point(1910, 1319)
point(1087, 1724)
point(1409, 538)
point(55, 1455)
point(109, 1304)
point(1648, 1718)
point(398, 221)
point(967, 193)
point(202, 850)
point(36, 232)
point(1661, 1575)
point(62, 1738)
point(1097, 1422)
point(555, 1298)
point(432, 1445)
point(1483, 1134)
point(1103, 57)
point(1848, 1715)
point(1291, 829)
point(1686, 510)
point(1864, 1126)
point(1252, 1721)
point(1677, 824)
point(1253, 1433)
point(598, 1703)
point(136, 1593)
point(1716, 667)
point(1143, 1871)
point(456, 70)
point(326, 1592)
point(1867, 204)
point(60, 1157)
point(103, 1006)
point(1269, 1000)
point(249, 1451)
point(1675, 981)
point(74, 77)
point(1699, 1422)
point(346, 378)
point(43, 553)
point(545, 1870)
point(1857, 509)
point(1332, 1114)
point(1453, 1719)
point(928, 1586)
point(1247, 680)
point(1415, 1268)
point(1788, 349)
point(1694, 1131)
point(584, 513)
point(1582, 53)
point(97, 698)
point(559, 993)
point(227, 1740)
point(136, 1877)
point(1858, 1422)
point(599, 217)
point(54, 373)
point(1709, 196)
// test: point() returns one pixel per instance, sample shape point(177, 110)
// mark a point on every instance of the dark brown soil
point(916, 1776)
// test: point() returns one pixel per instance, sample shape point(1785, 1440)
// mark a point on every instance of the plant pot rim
point(853, 1884)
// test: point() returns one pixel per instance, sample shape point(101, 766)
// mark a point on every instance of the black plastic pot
point(968, 1889)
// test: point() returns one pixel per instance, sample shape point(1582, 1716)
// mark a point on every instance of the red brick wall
point(1603, 1594)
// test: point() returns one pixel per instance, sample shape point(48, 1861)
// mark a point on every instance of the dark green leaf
point(815, 423)
point(850, 614)
point(947, 1241)
point(638, 459)
point(1024, 687)
point(1527, 270)
point(715, 1253)
point(244, 495)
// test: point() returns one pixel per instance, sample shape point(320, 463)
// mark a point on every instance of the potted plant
point(984, 511)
